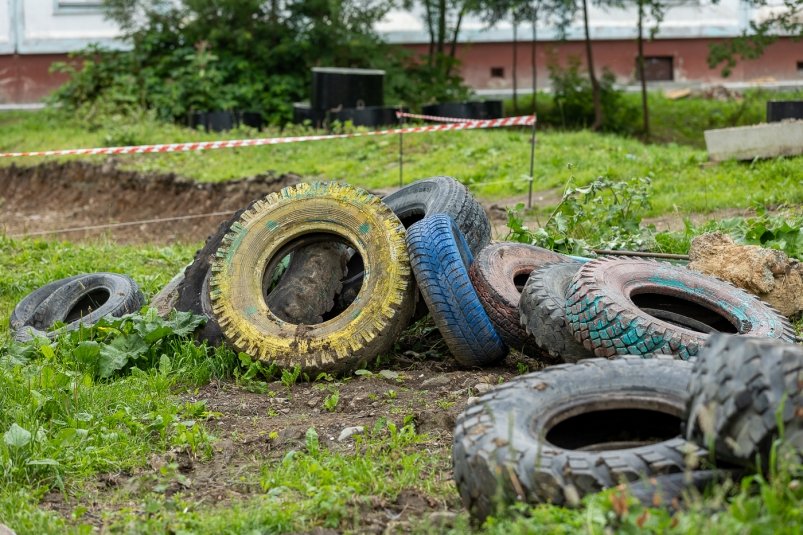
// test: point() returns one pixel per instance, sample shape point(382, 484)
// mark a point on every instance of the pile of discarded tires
point(325, 277)
point(556, 435)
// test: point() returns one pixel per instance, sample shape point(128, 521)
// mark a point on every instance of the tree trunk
point(455, 36)
point(431, 28)
point(441, 26)
point(595, 89)
point(645, 110)
point(534, 63)
point(515, 69)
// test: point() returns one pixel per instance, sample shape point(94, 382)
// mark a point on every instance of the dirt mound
point(63, 195)
point(768, 273)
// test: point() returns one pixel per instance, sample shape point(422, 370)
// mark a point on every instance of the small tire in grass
point(440, 257)
point(267, 232)
point(615, 307)
point(740, 389)
point(499, 273)
point(558, 434)
point(75, 301)
point(543, 311)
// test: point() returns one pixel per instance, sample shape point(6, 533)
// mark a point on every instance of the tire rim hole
point(294, 305)
point(684, 313)
point(89, 302)
point(410, 219)
point(520, 280)
point(615, 429)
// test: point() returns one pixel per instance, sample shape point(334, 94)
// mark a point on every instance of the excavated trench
point(66, 195)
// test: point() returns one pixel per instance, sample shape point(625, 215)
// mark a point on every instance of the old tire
point(543, 311)
point(367, 328)
point(606, 301)
point(737, 389)
point(668, 490)
point(573, 429)
point(193, 290)
point(440, 257)
point(165, 300)
point(442, 195)
point(75, 301)
point(498, 273)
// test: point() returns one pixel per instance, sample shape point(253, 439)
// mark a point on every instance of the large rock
point(767, 273)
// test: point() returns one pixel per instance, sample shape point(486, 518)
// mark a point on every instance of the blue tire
point(440, 258)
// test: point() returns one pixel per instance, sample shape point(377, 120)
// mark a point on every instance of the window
point(69, 4)
point(657, 69)
point(497, 72)
point(800, 67)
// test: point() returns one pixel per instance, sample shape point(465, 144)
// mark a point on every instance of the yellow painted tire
point(364, 330)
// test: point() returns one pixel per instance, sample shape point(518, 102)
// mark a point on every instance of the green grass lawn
point(81, 430)
point(683, 180)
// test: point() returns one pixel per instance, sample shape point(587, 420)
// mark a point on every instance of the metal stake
point(532, 167)
point(401, 150)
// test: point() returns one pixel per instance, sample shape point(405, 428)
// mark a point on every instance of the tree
point(788, 20)
point(444, 19)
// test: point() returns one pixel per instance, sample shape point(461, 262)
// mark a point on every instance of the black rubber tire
point(502, 448)
point(440, 258)
point(442, 195)
point(165, 300)
point(22, 315)
point(543, 311)
point(605, 318)
point(75, 301)
point(494, 273)
point(738, 386)
point(193, 291)
point(668, 490)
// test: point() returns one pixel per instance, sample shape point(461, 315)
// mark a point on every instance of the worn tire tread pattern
point(443, 279)
point(737, 386)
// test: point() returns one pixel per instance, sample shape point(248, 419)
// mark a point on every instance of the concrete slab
point(757, 141)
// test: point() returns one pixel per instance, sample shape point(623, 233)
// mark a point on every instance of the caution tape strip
point(435, 118)
point(524, 120)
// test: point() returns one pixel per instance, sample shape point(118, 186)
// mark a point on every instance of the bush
point(196, 55)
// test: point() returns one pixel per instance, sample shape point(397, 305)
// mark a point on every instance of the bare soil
point(65, 195)
point(430, 387)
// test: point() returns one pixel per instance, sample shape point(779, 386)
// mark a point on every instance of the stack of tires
point(326, 276)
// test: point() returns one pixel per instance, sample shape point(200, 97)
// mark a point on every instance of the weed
point(290, 376)
point(331, 401)
point(605, 214)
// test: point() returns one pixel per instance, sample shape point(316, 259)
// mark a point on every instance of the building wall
point(782, 61)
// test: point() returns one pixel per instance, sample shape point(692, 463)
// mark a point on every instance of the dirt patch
point(767, 273)
point(62, 195)
point(253, 425)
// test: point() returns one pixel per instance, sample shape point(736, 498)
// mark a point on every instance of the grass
point(683, 180)
point(80, 427)
point(63, 427)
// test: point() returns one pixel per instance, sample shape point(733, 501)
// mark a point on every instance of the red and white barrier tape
point(524, 120)
point(434, 118)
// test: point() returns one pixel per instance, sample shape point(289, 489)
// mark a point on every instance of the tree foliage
point(782, 20)
point(192, 55)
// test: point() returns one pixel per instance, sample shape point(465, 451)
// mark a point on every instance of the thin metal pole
point(532, 167)
point(646, 254)
point(401, 151)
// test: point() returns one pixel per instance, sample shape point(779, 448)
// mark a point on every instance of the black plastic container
point(346, 88)
point(214, 121)
point(476, 109)
point(253, 119)
point(369, 116)
point(303, 112)
point(778, 110)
